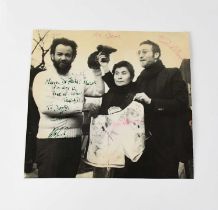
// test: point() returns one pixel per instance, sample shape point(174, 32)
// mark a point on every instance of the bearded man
point(59, 95)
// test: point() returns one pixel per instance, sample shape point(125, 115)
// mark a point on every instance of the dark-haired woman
point(119, 96)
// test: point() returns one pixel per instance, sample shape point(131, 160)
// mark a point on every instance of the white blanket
point(112, 137)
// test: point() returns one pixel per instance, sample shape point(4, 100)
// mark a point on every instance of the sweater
point(60, 100)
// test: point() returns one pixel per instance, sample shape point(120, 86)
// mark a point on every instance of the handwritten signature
point(127, 122)
point(107, 35)
point(171, 45)
point(60, 109)
point(58, 132)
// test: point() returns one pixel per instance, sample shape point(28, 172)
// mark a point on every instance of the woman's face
point(122, 76)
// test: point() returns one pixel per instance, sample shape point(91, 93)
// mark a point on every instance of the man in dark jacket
point(164, 95)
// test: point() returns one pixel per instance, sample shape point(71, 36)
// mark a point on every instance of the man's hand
point(142, 97)
point(92, 108)
point(103, 64)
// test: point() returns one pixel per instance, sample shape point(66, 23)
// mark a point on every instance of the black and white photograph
point(109, 104)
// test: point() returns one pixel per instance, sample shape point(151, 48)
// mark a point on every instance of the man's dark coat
point(165, 117)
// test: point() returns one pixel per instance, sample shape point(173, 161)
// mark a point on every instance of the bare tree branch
point(40, 40)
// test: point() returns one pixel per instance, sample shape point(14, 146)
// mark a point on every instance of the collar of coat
point(151, 71)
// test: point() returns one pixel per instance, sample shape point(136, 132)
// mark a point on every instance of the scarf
point(149, 73)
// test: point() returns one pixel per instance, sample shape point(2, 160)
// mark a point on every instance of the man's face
point(62, 58)
point(146, 55)
point(122, 76)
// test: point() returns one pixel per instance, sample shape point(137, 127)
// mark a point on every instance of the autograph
point(58, 132)
point(171, 45)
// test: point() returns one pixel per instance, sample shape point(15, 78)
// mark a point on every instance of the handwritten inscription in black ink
point(58, 132)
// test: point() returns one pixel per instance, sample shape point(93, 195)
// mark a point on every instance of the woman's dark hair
point(65, 42)
point(126, 64)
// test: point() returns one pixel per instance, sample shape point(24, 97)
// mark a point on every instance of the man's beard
point(62, 67)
